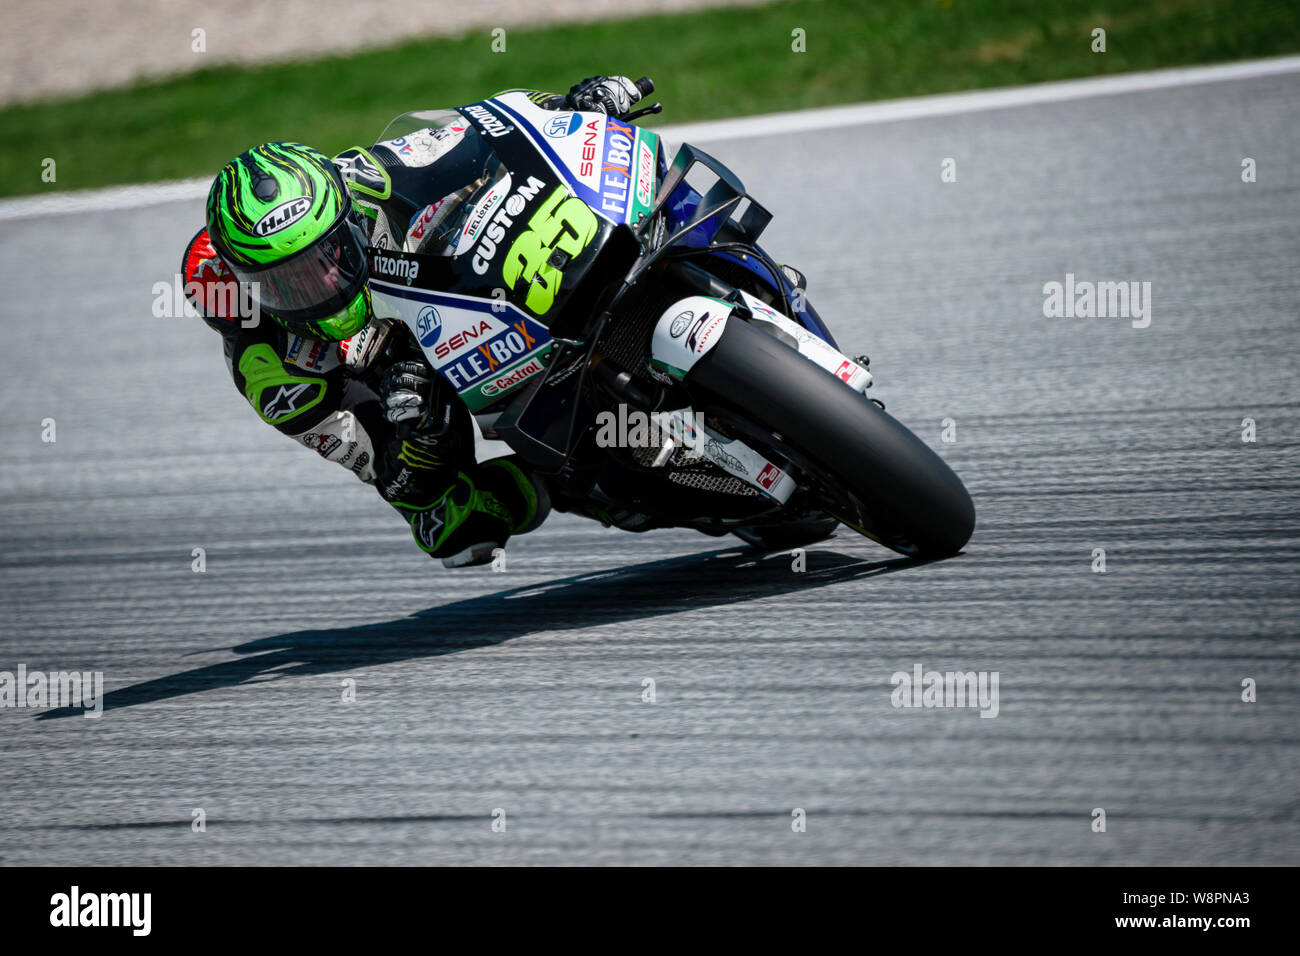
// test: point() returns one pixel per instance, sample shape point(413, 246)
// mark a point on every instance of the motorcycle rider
point(327, 372)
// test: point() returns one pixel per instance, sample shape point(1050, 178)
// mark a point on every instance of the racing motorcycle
point(580, 274)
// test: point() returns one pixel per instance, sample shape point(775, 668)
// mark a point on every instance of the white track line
point(861, 114)
point(948, 104)
point(104, 200)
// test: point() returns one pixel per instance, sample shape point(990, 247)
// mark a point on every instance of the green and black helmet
point(280, 216)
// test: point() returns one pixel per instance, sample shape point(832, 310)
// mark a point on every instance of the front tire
point(876, 476)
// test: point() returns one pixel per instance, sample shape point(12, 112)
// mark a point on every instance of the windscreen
point(465, 187)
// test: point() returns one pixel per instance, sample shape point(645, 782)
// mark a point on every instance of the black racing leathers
point(325, 395)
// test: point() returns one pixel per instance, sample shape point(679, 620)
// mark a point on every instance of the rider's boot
point(484, 506)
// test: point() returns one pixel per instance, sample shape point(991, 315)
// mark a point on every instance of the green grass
point(707, 64)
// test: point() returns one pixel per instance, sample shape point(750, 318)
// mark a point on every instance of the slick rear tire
point(876, 476)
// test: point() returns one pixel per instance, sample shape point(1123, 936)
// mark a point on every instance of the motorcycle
point(581, 278)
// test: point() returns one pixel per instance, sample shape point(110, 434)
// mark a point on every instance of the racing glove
point(406, 392)
point(612, 95)
point(433, 437)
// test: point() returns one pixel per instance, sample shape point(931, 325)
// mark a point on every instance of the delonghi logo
point(504, 218)
point(487, 119)
point(429, 325)
point(393, 266)
point(282, 216)
point(562, 125)
point(488, 205)
point(680, 324)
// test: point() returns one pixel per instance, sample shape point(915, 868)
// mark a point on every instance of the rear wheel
point(866, 468)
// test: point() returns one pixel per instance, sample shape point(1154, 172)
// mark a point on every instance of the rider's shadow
point(636, 592)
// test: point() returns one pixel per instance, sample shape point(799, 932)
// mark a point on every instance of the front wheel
point(869, 471)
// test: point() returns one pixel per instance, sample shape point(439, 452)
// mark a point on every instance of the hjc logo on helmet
point(282, 216)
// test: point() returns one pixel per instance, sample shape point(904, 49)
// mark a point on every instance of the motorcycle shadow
point(636, 592)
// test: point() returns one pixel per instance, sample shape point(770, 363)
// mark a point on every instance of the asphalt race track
point(522, 691)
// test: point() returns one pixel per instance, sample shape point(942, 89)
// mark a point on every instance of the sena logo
point(680, 324)
point(282, 216)
point(588, 150)
point(460, 340)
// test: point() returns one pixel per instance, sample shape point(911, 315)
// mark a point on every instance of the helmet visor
point(316, 281)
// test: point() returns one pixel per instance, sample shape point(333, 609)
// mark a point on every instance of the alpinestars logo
point(285, 400)
point(354, 164)
point(429, 525)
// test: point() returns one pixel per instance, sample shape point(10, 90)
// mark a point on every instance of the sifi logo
point(428, 325)
point(562, 125)
point(282, 216)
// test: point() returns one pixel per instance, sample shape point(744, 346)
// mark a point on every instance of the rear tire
point(900, 492)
